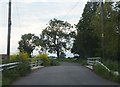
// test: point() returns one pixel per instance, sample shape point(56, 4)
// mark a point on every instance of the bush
point(23, 56)
point(14, 58)
point(8, 76)
point(105, 74)
point(54, 63)
point(33, 59)
point(22, 69)
point(112, 65)
point(45, 59)
point(101, 71)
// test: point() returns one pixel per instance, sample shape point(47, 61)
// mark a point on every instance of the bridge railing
point(96, 60)
point(15, 64)
point(8, 66)
point(35, 64)
point(91, 61)
point(114, 72)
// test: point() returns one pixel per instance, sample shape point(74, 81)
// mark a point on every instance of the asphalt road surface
point(65, 74)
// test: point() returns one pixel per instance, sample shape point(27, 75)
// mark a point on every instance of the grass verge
point(8, 76)
point(98, 69)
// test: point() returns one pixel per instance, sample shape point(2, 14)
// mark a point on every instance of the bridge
point(65, 74)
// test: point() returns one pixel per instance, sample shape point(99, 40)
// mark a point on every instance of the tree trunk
point(58, 53)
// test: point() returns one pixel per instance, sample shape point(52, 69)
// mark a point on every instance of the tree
point(117, 9)
point(28, 43)
point(57, 36)
point(110, 29)
point(86, 42)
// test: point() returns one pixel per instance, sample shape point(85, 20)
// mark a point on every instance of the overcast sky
point(31, 16)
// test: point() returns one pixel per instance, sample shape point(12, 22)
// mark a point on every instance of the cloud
point(33, 17)
point(61, 1)
point(31, 1)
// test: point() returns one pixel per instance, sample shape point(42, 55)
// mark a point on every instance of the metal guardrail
point(96, 60)
point(91, 61)
point(14, 65)
point(36, 63)
point(114, 72)
point(8, 66)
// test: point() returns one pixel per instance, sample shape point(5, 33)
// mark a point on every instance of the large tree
point(117, 9)
point(28, 43)
point(86, 42)
point(110, 28)
point(57, 36)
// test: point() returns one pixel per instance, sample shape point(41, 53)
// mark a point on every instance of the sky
point(31, 16)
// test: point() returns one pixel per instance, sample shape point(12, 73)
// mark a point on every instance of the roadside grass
point(54, 62)
point(113, 66)
point(8, 76)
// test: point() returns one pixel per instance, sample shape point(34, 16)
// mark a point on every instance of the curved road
point(65, 74)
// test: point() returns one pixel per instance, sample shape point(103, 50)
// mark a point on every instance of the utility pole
point(118, 20)
point(102, 27)
point(9, 29)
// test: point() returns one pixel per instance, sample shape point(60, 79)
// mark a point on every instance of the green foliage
point(100, 70)
point(33, 59)
point(13, 58)
point(23, 68)
point(86, 43)
point(28, 43)
point(44, 58)
point(110, 27)
point(8, 76)
point(54, 63)
point(23, 56)
point(57, 36)
point(112, 65)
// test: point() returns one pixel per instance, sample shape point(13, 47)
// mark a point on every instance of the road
point(65, 74)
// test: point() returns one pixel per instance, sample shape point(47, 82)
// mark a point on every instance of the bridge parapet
point(92, 60)
point(15, 64)
point(97, 60)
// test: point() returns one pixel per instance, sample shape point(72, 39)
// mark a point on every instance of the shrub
point(23, 68)
point(112, 65)
point(105, 74)
point(14, 58)
point(101, 71)
point(45, 59)
point(33, 59)
point(8, 76)
point(23, 56)
point(54, 63)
